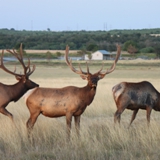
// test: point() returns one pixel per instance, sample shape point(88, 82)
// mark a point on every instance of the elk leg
point(31, 121)
point(77, 124)
point(117, 115)
point(68, 122)
point(121, 105)
point(133, 116)
point(148, 109)
point(6, 113)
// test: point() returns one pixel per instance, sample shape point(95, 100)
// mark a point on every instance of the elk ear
point(100, 76)
point(83, 77)
point(23, 79)
point(18, 78)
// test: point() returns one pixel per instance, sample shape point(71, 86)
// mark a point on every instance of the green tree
point(92, 47)
point(89, 54)
point(48, 56)
point(147, 50)
point(157, 50)
point(131, 49)
point(17, 46)
point(130, 46)
point(58, 54)
point(82, 52)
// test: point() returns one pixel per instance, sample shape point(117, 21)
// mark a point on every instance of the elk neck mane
point(15, 91)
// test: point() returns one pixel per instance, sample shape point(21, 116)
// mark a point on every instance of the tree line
point(133, 41)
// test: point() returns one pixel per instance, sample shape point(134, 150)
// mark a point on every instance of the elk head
point(92, 78)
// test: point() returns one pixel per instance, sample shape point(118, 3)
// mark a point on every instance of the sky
point(76, 15)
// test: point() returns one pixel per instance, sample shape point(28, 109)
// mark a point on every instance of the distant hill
point(78, 40)
point(132, 31)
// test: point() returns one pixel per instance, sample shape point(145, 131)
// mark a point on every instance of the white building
point(101, 55)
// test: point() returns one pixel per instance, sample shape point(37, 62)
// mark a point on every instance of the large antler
point(69, 63)
point(102, 74)
point(113, 65)
point(27, 69)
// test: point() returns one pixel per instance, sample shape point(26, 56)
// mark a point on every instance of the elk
point(135, 96)
point(14, 92)
point(68, 101)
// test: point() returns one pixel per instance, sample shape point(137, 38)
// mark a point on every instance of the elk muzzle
point(93, 82)
point(30, 84)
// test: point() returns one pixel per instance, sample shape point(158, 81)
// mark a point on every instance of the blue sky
point(70, 15)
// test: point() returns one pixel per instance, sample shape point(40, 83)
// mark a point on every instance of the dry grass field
point(100, 139)
point(43, 51)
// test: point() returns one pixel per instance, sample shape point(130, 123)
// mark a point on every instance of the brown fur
point(135, 96)
point(68, 101)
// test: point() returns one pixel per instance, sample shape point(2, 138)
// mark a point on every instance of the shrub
point(147, 50)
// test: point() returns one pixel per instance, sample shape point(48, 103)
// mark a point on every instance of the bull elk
point(14, 92)
point(68, 101)
point(135, 96)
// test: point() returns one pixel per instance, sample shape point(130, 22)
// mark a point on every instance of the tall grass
point(100, 138)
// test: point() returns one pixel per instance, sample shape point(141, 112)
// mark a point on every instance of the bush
point(147, 50)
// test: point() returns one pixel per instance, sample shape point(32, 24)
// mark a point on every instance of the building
point(101, 55)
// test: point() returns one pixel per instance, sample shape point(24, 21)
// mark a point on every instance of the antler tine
point(84, 73)
point(21, 60)
point(100, 69)
point(4, 68)
point(69, 63)
point(27, 69)
point(28, 66)
point(2, 59)
point(114, 64)
point(21, 51)
point(118, 53)
point(87, 68)
point(31, 71)
point(18, 56)
point(80, 67)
